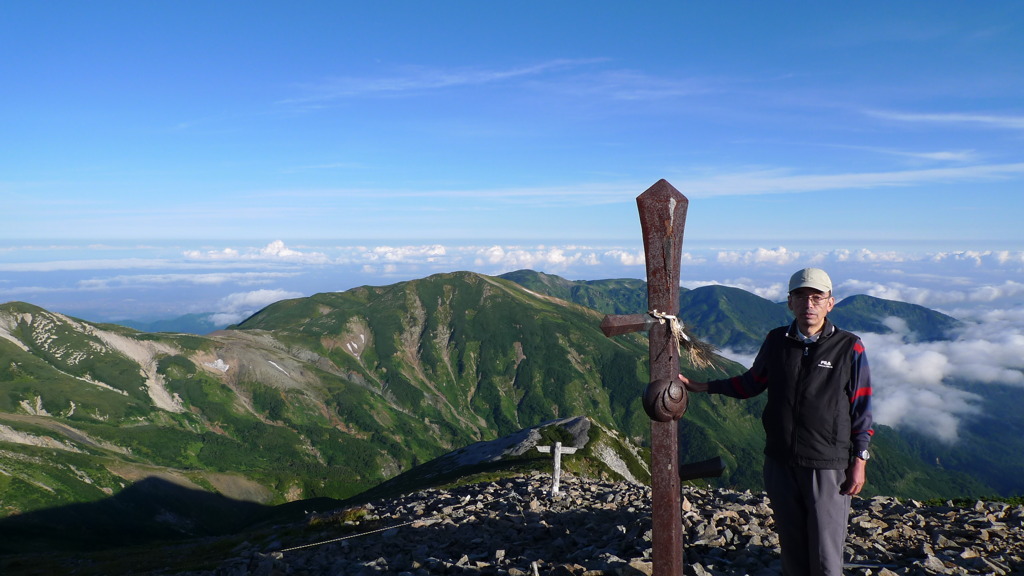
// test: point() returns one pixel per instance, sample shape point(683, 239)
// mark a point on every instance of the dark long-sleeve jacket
point(819, 396)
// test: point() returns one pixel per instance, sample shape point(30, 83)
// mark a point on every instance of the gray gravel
point(515, 527)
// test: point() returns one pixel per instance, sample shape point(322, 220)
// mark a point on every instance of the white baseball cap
point(811, 278)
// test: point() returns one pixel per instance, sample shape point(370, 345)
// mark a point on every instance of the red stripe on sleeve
point(863, 392)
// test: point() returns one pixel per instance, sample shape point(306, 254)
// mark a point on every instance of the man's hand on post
point(693, 386)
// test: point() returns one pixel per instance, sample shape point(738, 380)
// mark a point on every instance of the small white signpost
point(558, 451)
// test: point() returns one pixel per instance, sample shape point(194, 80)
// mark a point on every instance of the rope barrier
point(333, 540)
point(431, 519)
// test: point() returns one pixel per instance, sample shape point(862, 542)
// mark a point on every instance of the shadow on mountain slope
point(150, 510)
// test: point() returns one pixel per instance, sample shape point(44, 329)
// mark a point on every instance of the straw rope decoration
point(698, 352)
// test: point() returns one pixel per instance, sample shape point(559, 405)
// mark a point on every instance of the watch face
point(863, 455)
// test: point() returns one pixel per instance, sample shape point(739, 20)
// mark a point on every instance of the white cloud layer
point(547, 258)
point(274, 251)
point(236, 307)
point(916, 382)
point(777, 256)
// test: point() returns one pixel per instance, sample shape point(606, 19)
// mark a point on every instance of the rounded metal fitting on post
point(665, 400)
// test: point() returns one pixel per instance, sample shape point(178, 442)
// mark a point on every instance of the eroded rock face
point(597, 528)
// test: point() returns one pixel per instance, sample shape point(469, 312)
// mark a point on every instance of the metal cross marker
point(558, 450)
point(662, 220)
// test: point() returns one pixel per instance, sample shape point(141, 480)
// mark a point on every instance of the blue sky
point(434, 121)
point(162, 158)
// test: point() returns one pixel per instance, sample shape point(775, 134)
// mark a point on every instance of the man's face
point(810, 307)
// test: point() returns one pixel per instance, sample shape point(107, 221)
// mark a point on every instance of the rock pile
point(516, 527)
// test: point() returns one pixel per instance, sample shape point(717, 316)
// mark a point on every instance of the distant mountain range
point(332, 395)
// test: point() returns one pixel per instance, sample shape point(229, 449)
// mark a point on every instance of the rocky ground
point(516, 527)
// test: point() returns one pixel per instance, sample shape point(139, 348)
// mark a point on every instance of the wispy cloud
point(703, 183)
point(84, 264)
point(422, 78)
point(1006, 122)
point(630, 85)
point(195, 279)
point(941, 156)
point(953, 156)
point(784, 181)
point(583, 193)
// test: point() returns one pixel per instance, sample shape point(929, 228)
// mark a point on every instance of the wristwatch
point(863, 455)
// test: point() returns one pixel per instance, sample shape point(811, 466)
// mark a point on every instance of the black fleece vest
point(807, 417)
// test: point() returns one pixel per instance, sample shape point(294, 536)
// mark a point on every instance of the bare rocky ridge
point(515, 527)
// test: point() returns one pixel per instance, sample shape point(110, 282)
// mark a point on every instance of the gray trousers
point(811, 517)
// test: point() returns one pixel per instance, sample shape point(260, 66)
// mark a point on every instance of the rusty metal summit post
point(662, 221)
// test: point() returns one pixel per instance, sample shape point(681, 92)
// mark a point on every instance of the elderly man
point(817, 425)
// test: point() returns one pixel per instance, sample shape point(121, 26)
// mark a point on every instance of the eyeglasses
point(813, 299)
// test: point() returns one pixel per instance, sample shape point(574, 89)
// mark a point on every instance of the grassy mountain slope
point(475, 350)
point(862, 313)
point(615, 296)
point(730, 318)
point(723, 316)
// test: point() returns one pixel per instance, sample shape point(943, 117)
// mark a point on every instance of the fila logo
point(825, 364)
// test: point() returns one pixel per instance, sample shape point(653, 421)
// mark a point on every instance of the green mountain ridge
point(333, 395)
point(320, 396)
point(860, 313)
